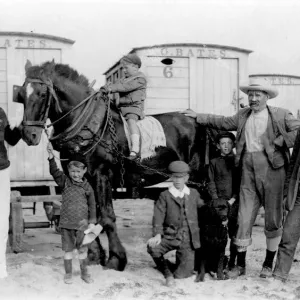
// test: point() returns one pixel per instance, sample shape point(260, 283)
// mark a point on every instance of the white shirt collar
point(176, 193)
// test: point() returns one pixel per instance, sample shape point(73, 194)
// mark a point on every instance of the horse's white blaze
point(29, 90)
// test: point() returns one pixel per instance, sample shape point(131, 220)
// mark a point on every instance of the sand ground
point(37, 273)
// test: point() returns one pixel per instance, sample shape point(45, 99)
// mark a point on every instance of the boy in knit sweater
point(78, 211)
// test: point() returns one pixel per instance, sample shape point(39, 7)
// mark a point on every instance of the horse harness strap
point(75, 127)
point(114, 149)
point(41, 123)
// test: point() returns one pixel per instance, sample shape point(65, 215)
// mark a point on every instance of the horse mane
point(62, 70)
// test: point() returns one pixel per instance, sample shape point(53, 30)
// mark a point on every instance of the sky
point(104, 31)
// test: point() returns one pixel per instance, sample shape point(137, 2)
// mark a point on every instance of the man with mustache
point(264, 136)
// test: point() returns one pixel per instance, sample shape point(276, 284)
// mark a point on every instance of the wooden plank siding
point(172, 91)
point(217, 80)
point(202, 77)
point(3, 80)
point(28, 164)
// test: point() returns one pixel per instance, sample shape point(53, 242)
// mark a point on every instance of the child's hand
point(50, 150)
point(154, 241)
point(231, 201)
point(91, 225)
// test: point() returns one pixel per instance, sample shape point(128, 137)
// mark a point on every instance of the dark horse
point(54, 91)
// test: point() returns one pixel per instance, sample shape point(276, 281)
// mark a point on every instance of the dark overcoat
point(168, 215)
point(291, 184)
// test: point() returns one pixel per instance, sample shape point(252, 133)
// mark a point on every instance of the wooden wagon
point(203, 77)
point(29, 167)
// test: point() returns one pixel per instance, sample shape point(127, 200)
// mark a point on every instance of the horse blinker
point(17, 97)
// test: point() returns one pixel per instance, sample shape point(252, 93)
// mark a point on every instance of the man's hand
point(279, 141)
point(189, 113)
point(154, 241)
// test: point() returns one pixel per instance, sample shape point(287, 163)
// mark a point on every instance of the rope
point(74, 108)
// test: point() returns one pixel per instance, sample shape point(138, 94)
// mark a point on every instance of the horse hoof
point(115, 263)
point(199, 279)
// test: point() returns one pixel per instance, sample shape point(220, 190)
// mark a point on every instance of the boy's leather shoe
point(170, 281)
point(68, 278)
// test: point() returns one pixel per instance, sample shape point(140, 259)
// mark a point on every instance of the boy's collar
point(76, 182)
point(176, 193)
point(228, 155)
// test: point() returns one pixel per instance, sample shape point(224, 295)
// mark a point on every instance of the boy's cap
point(227, 134)
point(179, 168)
point(133, 59)
point(78, 157)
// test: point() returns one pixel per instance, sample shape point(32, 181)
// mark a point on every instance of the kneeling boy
point(175, 225)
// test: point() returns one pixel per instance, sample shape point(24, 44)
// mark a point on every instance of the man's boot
point(85, 276)
point(266, 271)
point(68, 270)
point(240, 268)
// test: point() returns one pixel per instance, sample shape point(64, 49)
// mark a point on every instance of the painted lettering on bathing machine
point(24, 43)
point(194, 52)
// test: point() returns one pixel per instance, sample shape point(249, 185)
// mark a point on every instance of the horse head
point(49, 91)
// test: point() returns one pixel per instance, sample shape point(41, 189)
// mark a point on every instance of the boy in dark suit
point(175, 225)
point(224, 184)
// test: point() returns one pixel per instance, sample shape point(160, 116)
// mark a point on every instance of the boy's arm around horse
point(58, 176)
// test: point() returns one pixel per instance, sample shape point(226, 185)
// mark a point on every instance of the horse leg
point(117, 255)
point(96, 252)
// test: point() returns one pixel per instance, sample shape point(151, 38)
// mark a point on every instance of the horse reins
point(42, 123)
point(49, 85)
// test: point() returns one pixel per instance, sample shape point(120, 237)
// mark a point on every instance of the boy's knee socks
point(68, 266)
point(135, 141)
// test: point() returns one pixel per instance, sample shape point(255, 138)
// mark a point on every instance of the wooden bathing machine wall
point(29, 166)
point(203, 77)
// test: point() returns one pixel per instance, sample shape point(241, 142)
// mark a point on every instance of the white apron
point(4, 217)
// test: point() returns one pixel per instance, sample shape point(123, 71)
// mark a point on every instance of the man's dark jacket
point(291, 183)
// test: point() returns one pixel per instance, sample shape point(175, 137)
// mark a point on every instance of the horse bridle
point(47, 86)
